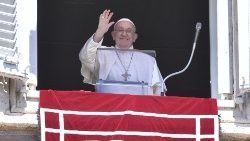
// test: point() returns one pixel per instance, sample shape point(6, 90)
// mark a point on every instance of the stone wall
point(19, 119)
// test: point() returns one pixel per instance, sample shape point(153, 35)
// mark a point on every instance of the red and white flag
point(89, 116)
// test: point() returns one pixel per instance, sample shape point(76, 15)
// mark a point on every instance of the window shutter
point(9, 55)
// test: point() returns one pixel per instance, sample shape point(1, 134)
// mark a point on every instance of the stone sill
point(225, 104)
point(234, 137)
point(18, 122)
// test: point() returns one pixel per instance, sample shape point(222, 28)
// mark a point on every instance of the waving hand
point(104, 25)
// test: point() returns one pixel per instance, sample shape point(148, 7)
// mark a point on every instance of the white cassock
point(111, 65)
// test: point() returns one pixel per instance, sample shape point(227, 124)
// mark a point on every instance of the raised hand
point(104, 25)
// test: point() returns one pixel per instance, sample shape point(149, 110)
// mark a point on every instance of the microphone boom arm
point(198, 27)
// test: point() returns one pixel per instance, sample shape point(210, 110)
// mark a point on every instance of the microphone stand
point(198, 28)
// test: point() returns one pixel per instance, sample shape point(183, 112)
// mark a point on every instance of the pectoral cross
point(126, 75)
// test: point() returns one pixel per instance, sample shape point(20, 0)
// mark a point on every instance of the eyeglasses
point(128, 31)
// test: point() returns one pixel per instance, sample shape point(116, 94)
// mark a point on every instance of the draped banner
point(85, 116)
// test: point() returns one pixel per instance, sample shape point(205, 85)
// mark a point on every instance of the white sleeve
point(87, 57)
point(157, 80)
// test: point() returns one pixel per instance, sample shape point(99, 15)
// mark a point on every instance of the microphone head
point(198, 26)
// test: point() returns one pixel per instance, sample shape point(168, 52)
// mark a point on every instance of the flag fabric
point(90, 116)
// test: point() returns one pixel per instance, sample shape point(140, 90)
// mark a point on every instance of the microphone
point(198, 28)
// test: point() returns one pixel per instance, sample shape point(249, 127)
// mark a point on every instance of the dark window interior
point(166, 26)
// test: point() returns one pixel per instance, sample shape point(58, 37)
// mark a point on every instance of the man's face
point(124, 34)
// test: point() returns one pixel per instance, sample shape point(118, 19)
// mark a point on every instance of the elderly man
point(118, 65)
